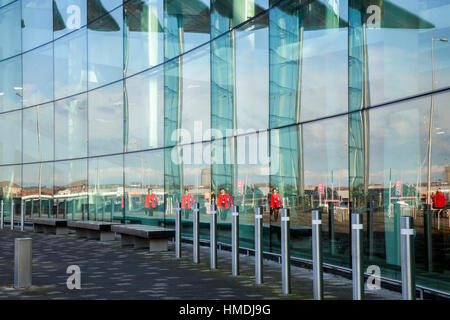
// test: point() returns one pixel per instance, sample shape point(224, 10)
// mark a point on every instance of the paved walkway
point(109, 271)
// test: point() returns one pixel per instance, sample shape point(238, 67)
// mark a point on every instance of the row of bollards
point(407, 248)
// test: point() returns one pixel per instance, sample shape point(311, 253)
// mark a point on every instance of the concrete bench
point(98, 230)
point(50, 225)
point(143, 236)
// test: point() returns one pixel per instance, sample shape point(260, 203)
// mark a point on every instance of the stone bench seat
point(97, 230)
point(143, 236)
point(50, 225)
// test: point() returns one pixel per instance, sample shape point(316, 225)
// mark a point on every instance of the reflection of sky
point(400, 59)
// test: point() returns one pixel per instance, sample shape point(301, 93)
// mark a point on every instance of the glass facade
point(339, 105)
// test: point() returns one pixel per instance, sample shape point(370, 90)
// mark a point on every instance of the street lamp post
point(431, 117)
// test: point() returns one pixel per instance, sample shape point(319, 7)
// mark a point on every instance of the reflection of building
point(304, 75)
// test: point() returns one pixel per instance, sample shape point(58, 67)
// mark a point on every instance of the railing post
point(112, 209)
point(2, 215)
point(235, 241)
point(331, 235)
point(317, 254)
point(357, 263)
point(11, 216)
point(407, 234)
point(23, 258)
point(213, 237)
point(285, 252)
point(258, 245)
point(22, 217)
point(428, 235)
point(196, 233)
point(370, 241)
point(178, 230)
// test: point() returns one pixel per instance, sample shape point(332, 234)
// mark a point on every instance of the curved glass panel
point(37, 23)
point(105, 49)
point(68, 16)
point(38, 76)
point(144, 109)
point(106, 120)
point(71, 64)
point(71, 127)
point(10, 31)
point(37, 191)
point(11, 137)
point(106, 187)
point(38, 135)
point(11, 84)
point(144, 35)
point(71, 188)
point(144, 187)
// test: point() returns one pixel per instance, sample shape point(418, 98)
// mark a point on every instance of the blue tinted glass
point(252, 75)
point(38, 133)
point(37, 23)
point(11, 84)
point(71, 185)
point(105, 185)
point(98, 8)
point(71, 64)
point(10, 33)
point(144, 37)
point(106, 120)
point(68, 16)
point(38, 76)
point(105, 45)
point(11, 137)
point(145, 110)
point(71, 127)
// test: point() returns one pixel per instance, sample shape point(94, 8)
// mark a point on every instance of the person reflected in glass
point(224, 204)
point(187, 202)
point(151, 202)
point(439, 202)
point(275, 203)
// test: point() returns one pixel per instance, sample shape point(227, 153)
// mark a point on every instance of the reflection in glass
point(324, 48)
point(106, 196)
point(186, 25)
point(38, 133)
point(98, 8)
point(105, 49)
point(106, 120)
point(144, 186)
point(325, 161)
point(252, 75)
point(38, 76)
point(226, 14)
point(222, 84)
point(10, 31)
point(251, 185)
point(71, 64)
point(37, 191)
point(11, 190)
point(11, 137)
point(144, 110)
point(68, 16)
point(143, 20)
point(11, 84)
point(391, 48)
point(196, 104)
point(37, 23)
point(71, 188)
point(71, 127)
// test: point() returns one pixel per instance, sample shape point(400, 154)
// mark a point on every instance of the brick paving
point(109, 271)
